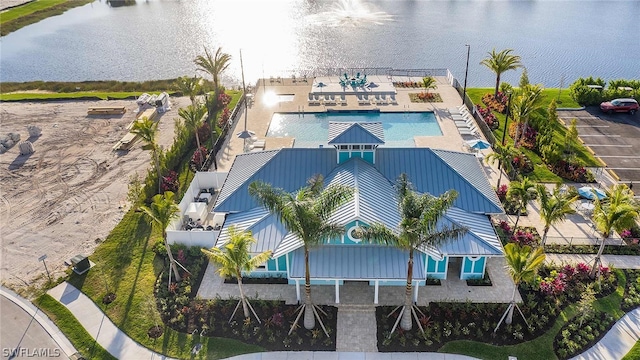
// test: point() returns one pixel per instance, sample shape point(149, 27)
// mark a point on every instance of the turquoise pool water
point(312, 129)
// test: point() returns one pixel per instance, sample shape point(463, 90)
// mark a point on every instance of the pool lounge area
point(312, 129)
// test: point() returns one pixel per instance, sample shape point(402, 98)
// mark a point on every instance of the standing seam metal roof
point(355, 133)
point(362, 262)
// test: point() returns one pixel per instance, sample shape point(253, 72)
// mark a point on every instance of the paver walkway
point(99, 326)
point(356, 329)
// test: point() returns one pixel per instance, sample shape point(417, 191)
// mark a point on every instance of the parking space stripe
point(601, 135)
point(614, 168)
point(592, 126)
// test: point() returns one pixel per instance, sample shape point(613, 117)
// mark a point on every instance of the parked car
point(620, 105)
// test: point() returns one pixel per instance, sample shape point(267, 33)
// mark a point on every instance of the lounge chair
point(472, 130)
point(392, 99)
point(312, 100)
point(330, 100)
point(362, 100)
point(343, 99)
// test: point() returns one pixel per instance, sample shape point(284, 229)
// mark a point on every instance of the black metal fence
point(226, 130)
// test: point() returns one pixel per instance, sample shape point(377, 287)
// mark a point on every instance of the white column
point(298, 290)
point(375, 296)
point(337, 291)
point(415, 291)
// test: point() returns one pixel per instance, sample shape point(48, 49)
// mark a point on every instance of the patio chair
point(293, 78)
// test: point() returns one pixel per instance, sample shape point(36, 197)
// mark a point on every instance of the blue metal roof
point(288, 169)
point(265, 227)
point(480, 239)
point(433, 174)
point(362, 262)
point(374, 197)
point(355, 133)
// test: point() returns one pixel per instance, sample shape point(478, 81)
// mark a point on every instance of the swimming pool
point(312, 129)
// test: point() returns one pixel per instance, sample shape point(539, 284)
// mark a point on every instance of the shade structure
point(320, 85)
point(590, 192)
point(478, 144)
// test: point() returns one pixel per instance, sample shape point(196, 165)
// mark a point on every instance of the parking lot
point(615, 139)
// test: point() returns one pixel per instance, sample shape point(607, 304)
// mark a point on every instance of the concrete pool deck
point(259, 113)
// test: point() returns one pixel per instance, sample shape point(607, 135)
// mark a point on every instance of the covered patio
point(361, 293)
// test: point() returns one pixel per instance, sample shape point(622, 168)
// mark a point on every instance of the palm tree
point(522, 192)
point(618, 211)
point(420, 214)
point(189, 86)
point(193, 116)
point(235, 258)
point(147, 129)
point(522, 265)
point(306, 214)
point(554, 207)
point(501, 62)
point(162, 210)
point(526, 102)
point(213, 65)
point(503, 154)
point(429, 82)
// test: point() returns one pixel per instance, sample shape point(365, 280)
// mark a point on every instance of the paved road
point(19, 331)
point(615, 139)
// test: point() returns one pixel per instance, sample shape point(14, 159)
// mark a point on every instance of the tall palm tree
point(214, 65)
point(306, 214)
point(526, 102)
point(189, 86)
point(501, 62)
point(522, 265)
point(618, 211)
point(420, 214)
point(193, 116)
point(522, 192)
point(429, 82)
point(162, 210)
point(234, 258)
point(554, 207)
point(147, 130)
point(503, 154)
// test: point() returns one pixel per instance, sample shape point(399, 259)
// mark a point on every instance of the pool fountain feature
point(350, 13)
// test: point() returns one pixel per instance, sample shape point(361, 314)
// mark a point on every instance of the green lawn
point(634, 354)
point(127, 266)
point(77, 335)
point(540, 173)
point(21, 16)
point(541, 347)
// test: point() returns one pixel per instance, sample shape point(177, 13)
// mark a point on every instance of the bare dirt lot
point(65, 198)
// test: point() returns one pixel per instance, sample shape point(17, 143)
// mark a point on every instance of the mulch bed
point(257, 280)
point(272, 333)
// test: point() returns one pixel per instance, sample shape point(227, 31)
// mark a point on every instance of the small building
point(359, 160)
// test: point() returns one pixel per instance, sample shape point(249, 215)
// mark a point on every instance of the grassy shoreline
point(32, 12)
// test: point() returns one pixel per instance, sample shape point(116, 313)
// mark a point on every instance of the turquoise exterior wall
point(368, 156)
point(437, 269)
point(344, 239)
point(343, 156)
point(316, 282)
point(472, 268)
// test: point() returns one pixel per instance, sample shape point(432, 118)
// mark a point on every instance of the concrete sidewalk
point(99, 326)
point(618, 341)
point(618, 261)
point(309, 355)
point(58, 337)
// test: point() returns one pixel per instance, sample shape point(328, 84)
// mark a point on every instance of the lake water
point(558, 41)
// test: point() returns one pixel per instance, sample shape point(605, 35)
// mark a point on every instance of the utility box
point(80, 264)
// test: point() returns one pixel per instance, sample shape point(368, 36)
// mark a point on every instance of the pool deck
point(259, 114)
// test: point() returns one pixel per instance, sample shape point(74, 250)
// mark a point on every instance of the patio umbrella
point(590, 193)
point(320, 85)
point(478, 144)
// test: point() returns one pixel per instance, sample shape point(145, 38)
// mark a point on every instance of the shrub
point(170, 182)
point(572, 172)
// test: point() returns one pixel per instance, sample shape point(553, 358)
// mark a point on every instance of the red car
point(620, 105)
